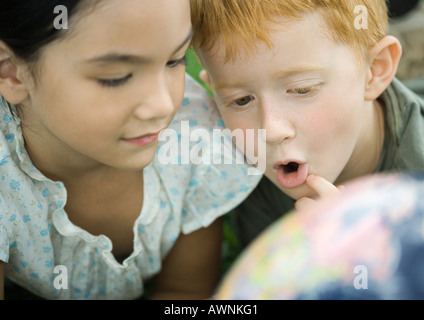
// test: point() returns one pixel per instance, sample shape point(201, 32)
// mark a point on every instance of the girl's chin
point(133, 164)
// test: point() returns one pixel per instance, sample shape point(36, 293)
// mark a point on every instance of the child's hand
point(322, 187)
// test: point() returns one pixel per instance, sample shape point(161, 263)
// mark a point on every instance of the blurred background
point(407, 24)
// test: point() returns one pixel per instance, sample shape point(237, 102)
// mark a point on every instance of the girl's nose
point(159, 100)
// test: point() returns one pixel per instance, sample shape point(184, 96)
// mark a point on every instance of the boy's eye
point(241, 102)
point(303, 91)
point(176, 63)
point(113, 83)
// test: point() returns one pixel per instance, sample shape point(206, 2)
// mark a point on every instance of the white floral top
point(38, 241)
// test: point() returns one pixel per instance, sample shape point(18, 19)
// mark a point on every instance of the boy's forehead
point(214, 19)
point(280, 31)
point(294, 52)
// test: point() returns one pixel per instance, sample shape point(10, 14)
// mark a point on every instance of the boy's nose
point(279, 128)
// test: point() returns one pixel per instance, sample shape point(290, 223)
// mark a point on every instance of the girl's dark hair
point(28, 25)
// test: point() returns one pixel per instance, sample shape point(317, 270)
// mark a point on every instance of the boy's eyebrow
point(297, 70)
point(278, 75)
point(114, 57)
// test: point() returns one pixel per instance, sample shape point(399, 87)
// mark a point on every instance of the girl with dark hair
point(87, 209)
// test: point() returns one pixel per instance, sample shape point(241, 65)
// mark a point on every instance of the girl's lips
point(290, 179)
point(143, 140)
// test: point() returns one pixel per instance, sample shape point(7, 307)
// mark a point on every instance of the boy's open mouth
point(290, 167)
point(291, 175)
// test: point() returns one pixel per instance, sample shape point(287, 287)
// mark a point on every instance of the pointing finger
point(321, 186)
point(303, 203)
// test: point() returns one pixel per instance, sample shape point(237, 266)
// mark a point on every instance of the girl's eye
point(176, 63)
point(241, 102)
point(113, 83)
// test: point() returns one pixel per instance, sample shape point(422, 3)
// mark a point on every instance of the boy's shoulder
point(404, 119)
point(416, 85)
point(404, 95)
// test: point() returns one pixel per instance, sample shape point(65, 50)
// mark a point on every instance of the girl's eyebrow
point(129, 58)
point(188, 39)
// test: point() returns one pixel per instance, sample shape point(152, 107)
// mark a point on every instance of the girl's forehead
point(128, 21)
point(115, 13)
point(142, 30)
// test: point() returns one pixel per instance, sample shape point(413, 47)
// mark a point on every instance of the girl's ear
point(385, 56)
point(11, 88)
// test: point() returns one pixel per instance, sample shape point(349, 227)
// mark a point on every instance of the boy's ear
point(204, 76)
point(385, 56)
point(11, 88)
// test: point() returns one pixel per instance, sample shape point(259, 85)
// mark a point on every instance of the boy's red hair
point(241, 23)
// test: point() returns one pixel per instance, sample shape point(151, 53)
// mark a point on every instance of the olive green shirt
point(403, 150)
